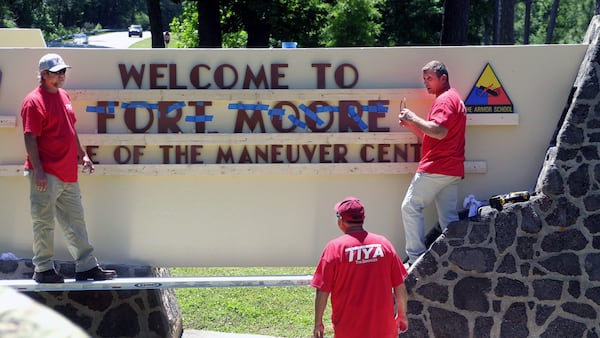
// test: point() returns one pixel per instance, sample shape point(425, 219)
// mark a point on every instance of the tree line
point(315, 23)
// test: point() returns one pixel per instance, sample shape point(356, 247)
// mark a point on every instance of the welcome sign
point(236, 157)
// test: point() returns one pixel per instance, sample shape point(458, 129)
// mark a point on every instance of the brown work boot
point(96, 273)
point(48, 276)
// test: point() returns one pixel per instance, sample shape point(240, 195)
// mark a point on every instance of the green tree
point(353, 23)
point(572, 20)
point(249, 23)
point(481, 22)
point(411, 22)
point(185, 27)
point(298, 20)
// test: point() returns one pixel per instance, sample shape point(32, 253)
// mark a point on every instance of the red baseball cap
point(350, 209)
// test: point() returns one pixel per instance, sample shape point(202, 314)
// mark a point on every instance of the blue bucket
point(289, 44)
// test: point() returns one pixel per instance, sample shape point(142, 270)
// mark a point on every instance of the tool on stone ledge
point(497, 202)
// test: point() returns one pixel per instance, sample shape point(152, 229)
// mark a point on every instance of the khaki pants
point(61, 201)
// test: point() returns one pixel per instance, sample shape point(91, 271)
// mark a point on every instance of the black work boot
point(96, 273)
point(48, 276)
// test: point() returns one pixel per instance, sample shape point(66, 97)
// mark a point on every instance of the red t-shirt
point(50, 117)
point(359, 271)
point(446, 156)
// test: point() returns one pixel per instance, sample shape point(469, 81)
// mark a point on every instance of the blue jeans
point(61, 201)
point(423, 190)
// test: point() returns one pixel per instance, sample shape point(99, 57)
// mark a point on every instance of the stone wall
point(532, 269)
point(108, 313)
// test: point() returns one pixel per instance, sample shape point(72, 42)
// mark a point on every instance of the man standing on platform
point(51, 163)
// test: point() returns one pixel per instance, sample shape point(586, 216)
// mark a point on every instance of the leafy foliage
point(411, 22)
point(571, 24)
point(311, 23)
point(186, 26)
point(58, 18)
point(352, 23)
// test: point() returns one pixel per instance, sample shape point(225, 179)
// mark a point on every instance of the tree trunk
point(552, 21)
point(507, 22)
point(527, 28)
point(455, 23)
point(209, 24)
point(255, 16)
point(496, 25)
point(155, 17)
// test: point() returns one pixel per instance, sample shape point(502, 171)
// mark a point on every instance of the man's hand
point(41, 180)
point(402, 324)
point(88, 165)
point(318, 331)
point(406, 115)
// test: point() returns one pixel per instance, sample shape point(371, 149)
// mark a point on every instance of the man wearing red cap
point(361, 270)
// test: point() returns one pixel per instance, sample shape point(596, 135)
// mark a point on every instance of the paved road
point(115, 39)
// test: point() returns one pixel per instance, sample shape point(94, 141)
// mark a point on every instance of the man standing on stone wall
point(51, 163)
point(442, 162)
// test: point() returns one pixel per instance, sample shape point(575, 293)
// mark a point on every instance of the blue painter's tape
point(276, 112)
point(311, 115)
point(175, 106)
point(95, 109)
point(352, 113)
point(296, 122)
point(381, 108)
point(201, 118)
point(378, 108)
point(111, 107)
point(328, 109)
point(139, 104)
point(242, 106)
point(108, 109)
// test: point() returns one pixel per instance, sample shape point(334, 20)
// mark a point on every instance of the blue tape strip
point(139, 104)
point(276, 112)
point(175, 106)
point(381, 108)
point(328, 109)
point(108, 109)
point(352, 113)
point(296, 122)
point(311, 115)
point(378, 108)
point(201, 118)
point(95, 109)
point(242, 106)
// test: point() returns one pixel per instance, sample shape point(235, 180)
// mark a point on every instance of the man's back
point(360, 269)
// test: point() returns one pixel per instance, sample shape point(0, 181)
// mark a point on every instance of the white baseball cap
point(52, 62)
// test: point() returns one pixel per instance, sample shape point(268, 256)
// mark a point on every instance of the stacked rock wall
point(532, 269)
point(108, 313)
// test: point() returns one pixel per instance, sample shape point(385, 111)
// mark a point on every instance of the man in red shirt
point(442, 162)
point(53, 153)
point(365, 278)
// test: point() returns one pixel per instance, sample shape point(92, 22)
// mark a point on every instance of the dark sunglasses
point(62, 71)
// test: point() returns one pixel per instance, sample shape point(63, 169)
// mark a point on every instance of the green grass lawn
point(271, 311)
